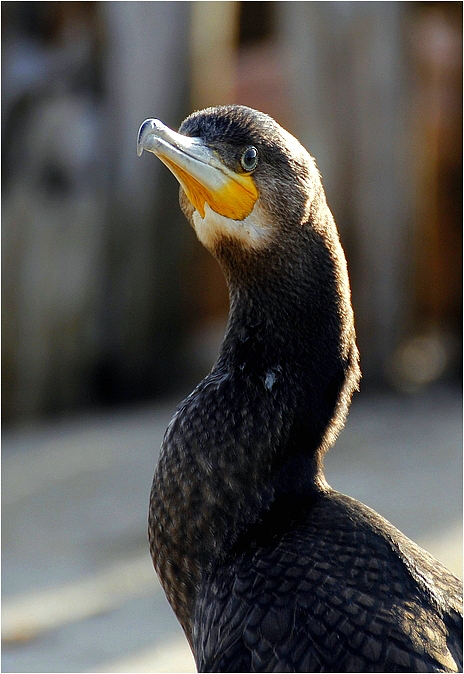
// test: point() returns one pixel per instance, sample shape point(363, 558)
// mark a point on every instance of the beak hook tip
point(143, 133)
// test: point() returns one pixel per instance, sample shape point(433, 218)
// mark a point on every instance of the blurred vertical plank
point(437, 54)
point(382, 210)
point(213, 41)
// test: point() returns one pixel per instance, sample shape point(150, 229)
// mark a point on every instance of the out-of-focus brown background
point(107, 297)
point(108, 300)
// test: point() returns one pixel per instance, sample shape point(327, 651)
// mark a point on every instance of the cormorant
point(267, 568)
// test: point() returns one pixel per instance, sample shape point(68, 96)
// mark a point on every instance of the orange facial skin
point(235, 199)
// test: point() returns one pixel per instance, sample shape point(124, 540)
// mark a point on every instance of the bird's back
point(341, 590)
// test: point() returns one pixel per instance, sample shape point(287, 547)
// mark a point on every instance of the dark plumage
point(267, 568)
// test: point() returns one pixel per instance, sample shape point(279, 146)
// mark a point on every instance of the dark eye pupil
point(249, 158)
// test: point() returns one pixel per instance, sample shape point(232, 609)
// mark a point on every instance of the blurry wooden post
point(438, 115)
point(147, 68)
point(346, 65)
point(213, 43)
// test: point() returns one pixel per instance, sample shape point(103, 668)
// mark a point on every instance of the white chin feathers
point(254, 231)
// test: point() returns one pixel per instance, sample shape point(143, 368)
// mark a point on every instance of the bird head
point(243, 178)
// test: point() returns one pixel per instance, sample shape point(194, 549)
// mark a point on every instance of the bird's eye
point(249, 159)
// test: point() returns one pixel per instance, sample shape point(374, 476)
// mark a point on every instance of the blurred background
point(111, 309)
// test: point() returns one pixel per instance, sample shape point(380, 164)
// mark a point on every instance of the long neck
point(270, 403)
point(294, 332)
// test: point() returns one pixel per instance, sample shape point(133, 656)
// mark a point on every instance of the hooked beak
point(202, 175)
